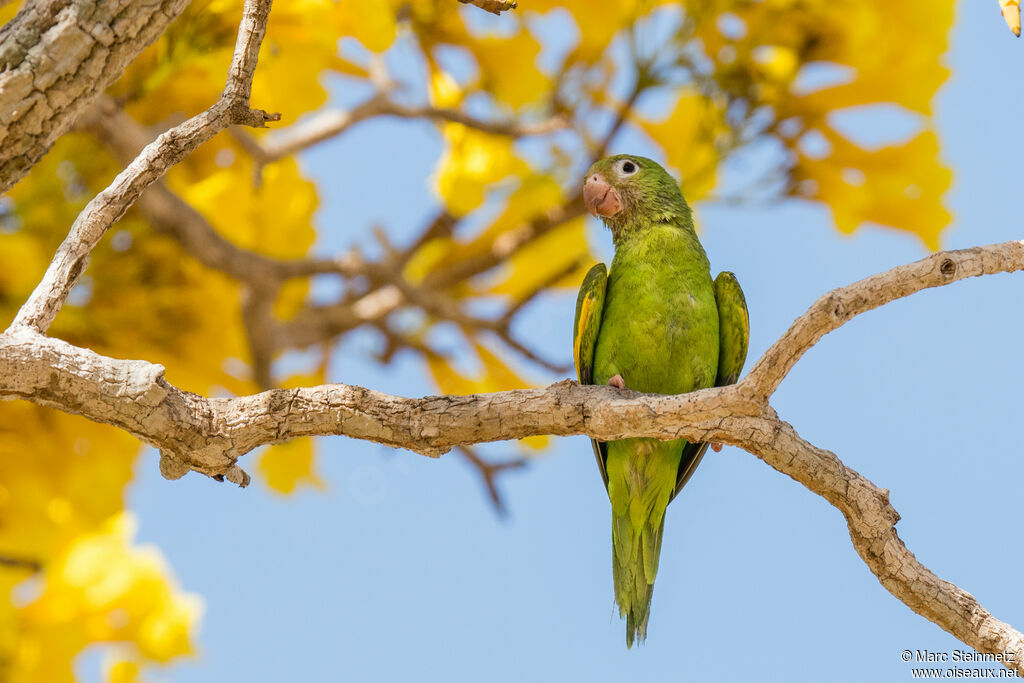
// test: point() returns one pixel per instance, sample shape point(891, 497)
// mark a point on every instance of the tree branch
point(23, 563)
point(209, 434)
point(168, 149)
point(492, 6)
point(328, 124)
point(871, 521)
point(489, 472)
point(55, 58)
point(834, 309)
point(512, 242)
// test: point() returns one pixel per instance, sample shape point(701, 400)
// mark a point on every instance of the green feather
point(733, 339)
point(734, 328)
point(658, 326)
point(589, 305)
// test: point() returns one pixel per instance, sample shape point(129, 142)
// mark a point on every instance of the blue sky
point(401, 571)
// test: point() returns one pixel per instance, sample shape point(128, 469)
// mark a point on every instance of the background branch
point(331, 123)
point(388, 290)
point(489, 472)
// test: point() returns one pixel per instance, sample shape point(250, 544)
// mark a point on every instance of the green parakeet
point(655, 322)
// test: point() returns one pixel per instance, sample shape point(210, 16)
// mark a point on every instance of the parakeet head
point(629, 192)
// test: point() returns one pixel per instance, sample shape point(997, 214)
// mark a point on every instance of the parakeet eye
point(627, 167)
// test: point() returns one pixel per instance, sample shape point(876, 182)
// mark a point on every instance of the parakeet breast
point(659, 330)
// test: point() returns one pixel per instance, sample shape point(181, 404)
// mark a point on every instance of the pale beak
point(601, 198)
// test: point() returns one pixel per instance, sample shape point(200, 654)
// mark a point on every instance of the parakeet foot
point(617, 382)
point(716, 447)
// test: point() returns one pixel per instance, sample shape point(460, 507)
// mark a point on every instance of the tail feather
point(641, 478)
point(652, 549)
point(634, 568)
point(634, 578)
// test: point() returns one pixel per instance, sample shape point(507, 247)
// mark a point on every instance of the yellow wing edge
point(587, 324)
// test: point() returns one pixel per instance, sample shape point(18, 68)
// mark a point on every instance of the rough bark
point(56, 56)
point(209, 435)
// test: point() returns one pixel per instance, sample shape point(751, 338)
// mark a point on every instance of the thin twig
point(331, 123)
point(25, 563)
point(518, 238)
point(542, 287)
point(489, 472)
point(170, 213)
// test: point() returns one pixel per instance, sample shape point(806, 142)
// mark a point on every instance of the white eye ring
point(626, 167)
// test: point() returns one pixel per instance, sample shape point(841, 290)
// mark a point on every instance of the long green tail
point(641, 477)
point(635, 566)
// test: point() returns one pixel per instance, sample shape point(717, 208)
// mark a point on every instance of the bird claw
point(617, 382)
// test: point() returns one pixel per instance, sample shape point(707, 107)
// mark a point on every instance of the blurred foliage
point(731, 74)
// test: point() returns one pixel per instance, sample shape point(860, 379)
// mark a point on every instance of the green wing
point(733, 328)
point(733, 338)
point(589, 307)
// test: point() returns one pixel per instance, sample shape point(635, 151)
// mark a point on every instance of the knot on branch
point(836, 308)
point(236, 475)
point(430, 451)
point(883, 495)
point(240, 113)
point(492, 6)
point(171, 467)
point(948, 268)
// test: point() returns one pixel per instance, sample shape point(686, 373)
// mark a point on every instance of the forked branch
point(209, 435)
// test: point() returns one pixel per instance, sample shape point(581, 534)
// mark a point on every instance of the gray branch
point(55, 58)
point(210, 434)
point(331, 123)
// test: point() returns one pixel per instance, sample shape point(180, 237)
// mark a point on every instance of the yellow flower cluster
point(770, 48)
